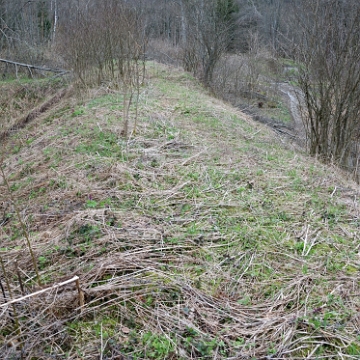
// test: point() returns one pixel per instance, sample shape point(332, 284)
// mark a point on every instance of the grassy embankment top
point(199, 237)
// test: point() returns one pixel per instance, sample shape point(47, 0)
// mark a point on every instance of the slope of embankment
point(202, 236)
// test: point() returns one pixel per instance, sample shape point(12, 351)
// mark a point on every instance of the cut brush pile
point(202, 236)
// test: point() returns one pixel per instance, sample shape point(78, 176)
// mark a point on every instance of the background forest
point(239, 49)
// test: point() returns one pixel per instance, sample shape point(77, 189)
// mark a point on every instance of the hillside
point(202, 236)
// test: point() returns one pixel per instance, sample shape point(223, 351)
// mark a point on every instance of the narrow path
point(291, 95)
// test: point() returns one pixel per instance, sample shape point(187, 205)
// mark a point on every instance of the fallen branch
point(55, 286)
point(29, 66)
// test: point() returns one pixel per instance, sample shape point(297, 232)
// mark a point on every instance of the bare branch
point(30, 66)
point(55, 286)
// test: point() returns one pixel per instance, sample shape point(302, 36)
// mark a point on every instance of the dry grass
point(19, 97)
point(201, 237)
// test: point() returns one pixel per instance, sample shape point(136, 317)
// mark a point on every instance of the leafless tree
point(329, 77)
point(209, 26)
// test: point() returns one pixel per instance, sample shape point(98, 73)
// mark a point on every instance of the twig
point(334, 191)
point(13, 315)
point(192, 158)
point(307, 249)
point(81, 294)
point(101, 342)
point(19, 277)
point(23, 227)
point(305, 240)
point(55, 286)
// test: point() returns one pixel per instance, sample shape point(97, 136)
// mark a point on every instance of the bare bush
point(105, 44)
point(164, 52)
point(99, 39)
point(228, 76)
point(240, 75)
point(209, 27)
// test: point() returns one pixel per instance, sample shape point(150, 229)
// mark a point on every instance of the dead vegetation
point(35, 113)
point(25, 97)
point(199, 238)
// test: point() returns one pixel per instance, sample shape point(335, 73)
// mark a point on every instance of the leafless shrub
point(239, 76)
point(99, 39)
point(105, 44)
point(208, 28)
point(229, 76)
point(164, 51)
